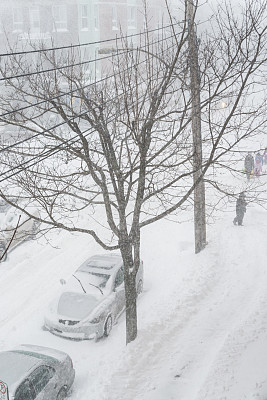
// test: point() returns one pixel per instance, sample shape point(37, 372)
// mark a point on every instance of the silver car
point(35, 373)
point(10, 236)
point(92, 300)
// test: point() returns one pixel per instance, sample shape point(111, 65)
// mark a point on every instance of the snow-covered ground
point(202, 318)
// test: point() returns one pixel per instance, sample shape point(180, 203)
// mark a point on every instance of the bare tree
point(118, 152)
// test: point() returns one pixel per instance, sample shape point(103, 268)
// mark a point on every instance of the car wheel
point(108, 326)
point(139, 288)
point(62, 394)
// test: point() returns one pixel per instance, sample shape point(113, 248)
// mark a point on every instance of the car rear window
point(103, 263)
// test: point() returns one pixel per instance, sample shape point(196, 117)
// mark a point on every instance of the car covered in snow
point(35, 373)
point(4, 206)
point(92, 300)
point(26, 227)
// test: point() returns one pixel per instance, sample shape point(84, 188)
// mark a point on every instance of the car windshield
point(98, 279)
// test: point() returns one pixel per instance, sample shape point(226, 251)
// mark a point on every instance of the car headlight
point(96, 320)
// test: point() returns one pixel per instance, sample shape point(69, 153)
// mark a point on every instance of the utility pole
point(199, 192)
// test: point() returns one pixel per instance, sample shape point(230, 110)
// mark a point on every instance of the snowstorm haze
point(70, 22)
point(135, 284)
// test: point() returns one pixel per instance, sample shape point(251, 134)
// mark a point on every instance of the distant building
point(64, 22)
point(70, 21)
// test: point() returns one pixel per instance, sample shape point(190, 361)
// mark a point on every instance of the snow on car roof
point(41, 352)
point(106, 262)
point(14, 366)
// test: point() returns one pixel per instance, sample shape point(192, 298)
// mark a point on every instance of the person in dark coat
point(249, 165)
point(240, 209)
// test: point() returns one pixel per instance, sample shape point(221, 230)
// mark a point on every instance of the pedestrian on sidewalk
point(241, 207)
point(249, 165)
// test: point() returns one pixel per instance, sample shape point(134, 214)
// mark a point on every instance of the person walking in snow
point(265, 156)
point(241, 207)
point(258, 164)
point(249, 165)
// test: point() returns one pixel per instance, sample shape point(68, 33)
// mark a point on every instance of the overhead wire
point(116, 38)
point(58, 148)
point(75, 90)
point(7, 78)
point(49, 152)
point(62, 95)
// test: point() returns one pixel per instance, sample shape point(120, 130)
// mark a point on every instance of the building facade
point(54, 23)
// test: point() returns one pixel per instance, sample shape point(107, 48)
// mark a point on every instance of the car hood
point(76, 306)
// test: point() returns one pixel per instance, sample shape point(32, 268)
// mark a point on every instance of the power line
point(58, 148)
point(48, 153)
point(74, 90)
point(55, 149)
point(56, 97)
point(8, 78)
point(86, 44)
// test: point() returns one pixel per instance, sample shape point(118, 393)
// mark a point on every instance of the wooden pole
point(199, 192)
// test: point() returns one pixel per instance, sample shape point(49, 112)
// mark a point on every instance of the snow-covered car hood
point(76, 305)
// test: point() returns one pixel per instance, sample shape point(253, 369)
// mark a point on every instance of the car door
point(44, 382)
point(119, 292)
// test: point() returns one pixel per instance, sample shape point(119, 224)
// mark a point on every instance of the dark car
point(11, 233)
point(35, 373)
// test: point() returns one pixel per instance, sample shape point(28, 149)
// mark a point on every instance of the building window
point(96, 16)
point(131, 17)
point(84, 17)
point(114, 21)
point(34, 20)
point(60, 18)
point(18, 19)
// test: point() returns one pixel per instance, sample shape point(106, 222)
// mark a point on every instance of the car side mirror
point(62, 281)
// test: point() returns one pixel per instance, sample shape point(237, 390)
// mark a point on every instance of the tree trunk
point(131, 261)
point(131, 311)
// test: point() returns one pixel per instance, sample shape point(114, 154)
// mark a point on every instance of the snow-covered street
point(202, 318)
point(137, 128)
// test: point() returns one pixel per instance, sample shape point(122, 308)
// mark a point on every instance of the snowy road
point(202, 318)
